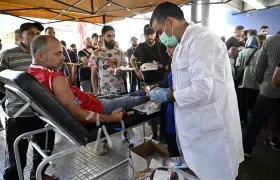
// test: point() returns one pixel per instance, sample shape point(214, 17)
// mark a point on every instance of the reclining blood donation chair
point(35, 96)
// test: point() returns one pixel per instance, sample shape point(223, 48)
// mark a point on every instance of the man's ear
point(21, 35)
point(171, 20)
point(40, 56)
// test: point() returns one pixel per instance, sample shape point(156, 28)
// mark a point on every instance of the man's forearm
point(133, 63)
point(86, 116)
point(102, 118)
point(94, 82)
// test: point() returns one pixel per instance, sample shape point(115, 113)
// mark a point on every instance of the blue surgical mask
point(166, 40)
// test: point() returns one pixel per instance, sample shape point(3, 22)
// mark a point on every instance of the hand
point(154, 86)
point(160, 89)
point(149, 88)
point(160, 66)
point(159, 94)
point(117, 115)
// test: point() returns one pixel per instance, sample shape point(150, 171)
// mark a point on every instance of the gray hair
point(39, 43)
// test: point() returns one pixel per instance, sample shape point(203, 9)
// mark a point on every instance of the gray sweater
point(248, 77)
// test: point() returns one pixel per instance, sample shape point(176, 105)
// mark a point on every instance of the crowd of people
point(254, 58)
point(206, 94)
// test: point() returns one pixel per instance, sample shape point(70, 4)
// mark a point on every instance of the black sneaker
point(273, 142)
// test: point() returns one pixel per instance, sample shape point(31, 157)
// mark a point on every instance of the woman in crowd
point(246, 61)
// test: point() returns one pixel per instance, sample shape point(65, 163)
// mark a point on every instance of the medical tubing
point(107, 136)
point(98, 132)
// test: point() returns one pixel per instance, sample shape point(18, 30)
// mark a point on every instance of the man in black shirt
point(148, 52)
point(235, 40)
point(84, 70)
point(132, 75)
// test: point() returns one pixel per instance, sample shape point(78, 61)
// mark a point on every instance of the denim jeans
point(264, 108)
point(86, 86)
point(125, 102)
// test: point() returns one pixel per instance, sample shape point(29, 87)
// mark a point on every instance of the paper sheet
point(148, 108)
point(162, 175)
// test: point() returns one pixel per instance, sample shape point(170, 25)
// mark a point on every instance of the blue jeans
point(125, 102)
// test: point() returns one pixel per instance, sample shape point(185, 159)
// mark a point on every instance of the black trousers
point(16, 127)
point(172, 145)
point(125, 84)
point(250, 98)
point(264, 108)
point(134, 82)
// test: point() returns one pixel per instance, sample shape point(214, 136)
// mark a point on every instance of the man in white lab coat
point(206, 111)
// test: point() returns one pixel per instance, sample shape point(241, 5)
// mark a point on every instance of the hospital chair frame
point(51, 125)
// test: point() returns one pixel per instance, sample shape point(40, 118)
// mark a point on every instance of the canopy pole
point(92, 6)
point(205, 14)
point(104, 19)
point(194, 12)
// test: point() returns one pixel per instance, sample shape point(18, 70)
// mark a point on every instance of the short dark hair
point(105, 29)
point(72, 45)
point(253, 32)
point(94, 35)
point(48, 28)
point(264, 27)
point(246, 32)
point(261, 37)
point(39, 43)
point(63, 43)
point(165, 10)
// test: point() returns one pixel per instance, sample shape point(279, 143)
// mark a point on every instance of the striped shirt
point(267, 61)
point(18, 59)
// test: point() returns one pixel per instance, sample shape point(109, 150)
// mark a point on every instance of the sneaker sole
point(267, 142)
point(248, 156)
point(278, 150)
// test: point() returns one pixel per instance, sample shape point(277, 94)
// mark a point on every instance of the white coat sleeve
point(201, 69)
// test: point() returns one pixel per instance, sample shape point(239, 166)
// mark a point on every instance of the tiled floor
point(86, 164)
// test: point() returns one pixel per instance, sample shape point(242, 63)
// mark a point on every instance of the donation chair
point(35, 96)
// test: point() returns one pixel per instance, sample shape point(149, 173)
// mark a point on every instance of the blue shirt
point(170, 118)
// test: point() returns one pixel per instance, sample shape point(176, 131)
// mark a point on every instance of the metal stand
point(53, 157)
point(16, 151)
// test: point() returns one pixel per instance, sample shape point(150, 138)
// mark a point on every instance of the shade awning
point(91, 11)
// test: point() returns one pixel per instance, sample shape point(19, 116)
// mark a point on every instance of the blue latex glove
point(161, 89)
point(159, 95)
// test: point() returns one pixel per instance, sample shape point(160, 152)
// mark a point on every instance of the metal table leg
point(16, 151)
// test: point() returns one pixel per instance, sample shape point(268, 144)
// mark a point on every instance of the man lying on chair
point(47, 59)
